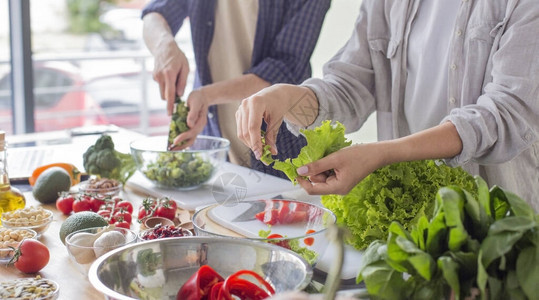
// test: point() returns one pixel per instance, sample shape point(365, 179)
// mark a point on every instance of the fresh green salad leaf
point(321, 141)
point(402, 192)
point(459, 256)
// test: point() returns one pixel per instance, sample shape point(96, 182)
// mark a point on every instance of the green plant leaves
point(490, 243)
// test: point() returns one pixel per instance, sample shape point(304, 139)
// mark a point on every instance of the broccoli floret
point(102, 160)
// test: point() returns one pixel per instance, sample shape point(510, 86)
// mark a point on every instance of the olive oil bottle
point(10, 197)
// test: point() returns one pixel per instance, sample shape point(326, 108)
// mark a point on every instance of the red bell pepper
point(199, 285)
point(245, 289)
point(207, 284)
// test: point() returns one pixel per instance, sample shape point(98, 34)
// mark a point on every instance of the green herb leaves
point(490, 243)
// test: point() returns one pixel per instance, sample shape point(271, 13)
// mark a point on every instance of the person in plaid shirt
point(240, 48)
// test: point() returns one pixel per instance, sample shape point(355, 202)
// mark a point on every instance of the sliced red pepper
point(216, 291)
point(199, 285)
point(283, 244)
point(310, 240)
point(245, 289)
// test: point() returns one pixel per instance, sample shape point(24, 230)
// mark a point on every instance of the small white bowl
point(6, 253)
point(38, 226)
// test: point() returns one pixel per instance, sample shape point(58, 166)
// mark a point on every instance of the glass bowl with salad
point(295, 225)
point(185, 169)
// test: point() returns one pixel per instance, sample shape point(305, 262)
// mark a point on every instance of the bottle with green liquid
point(10, 197)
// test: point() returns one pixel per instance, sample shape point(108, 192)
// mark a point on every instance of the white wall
point(336, 30)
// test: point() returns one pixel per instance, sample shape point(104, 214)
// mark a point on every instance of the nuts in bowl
point(12, 238)
point(103, 187)
point(35, 218)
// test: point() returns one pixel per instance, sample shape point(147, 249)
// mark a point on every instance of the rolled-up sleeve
point(174, 12)
point(505, 119)
point(285, 59)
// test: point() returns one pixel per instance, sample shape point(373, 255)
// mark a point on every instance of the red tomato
point(95, 203)
point(166, 212)
point(105, 213)
point(122, 216)
point(32, 256)
point(146, 209)
point(125, 205)
point(122, 224)
point(64, 203)
point(81, 205)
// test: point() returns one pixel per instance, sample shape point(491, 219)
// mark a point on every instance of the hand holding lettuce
point(321, 141)
point(399, 192)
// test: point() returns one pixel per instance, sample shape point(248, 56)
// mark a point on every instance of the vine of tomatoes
point(114, 209)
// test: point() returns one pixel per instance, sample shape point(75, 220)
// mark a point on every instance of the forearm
point(156, 32)
point(440, 142)
point(232, 90)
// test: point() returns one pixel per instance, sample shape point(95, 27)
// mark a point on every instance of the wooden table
point(73, 284)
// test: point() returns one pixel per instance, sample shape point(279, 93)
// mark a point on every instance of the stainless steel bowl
point(158, 268)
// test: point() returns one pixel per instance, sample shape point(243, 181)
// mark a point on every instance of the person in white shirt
point(453, 80)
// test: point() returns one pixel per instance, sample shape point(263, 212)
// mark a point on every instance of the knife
point(178, 122)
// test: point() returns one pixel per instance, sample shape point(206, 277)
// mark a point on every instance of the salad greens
point(321, 141)
point(488, 243)
point(179, 169)
point(402, 192)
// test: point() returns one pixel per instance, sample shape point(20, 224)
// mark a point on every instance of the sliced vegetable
point(283, 212)
point(199, 284)
point(206, 283)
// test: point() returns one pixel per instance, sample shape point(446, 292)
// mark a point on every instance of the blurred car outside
point(65, 98)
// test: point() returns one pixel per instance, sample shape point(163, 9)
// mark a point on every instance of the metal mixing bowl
point(156, 269)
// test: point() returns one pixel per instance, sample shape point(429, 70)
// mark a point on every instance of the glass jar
point(10, 197)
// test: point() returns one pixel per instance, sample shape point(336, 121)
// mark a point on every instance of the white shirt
point(428, 58)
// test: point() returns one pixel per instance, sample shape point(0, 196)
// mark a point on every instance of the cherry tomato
point(125, 205)
point(105, 213)
point(81, 205)
point(166, 212)
point(122, 216)
point(31, 256)
point(95, 203)
point(147, 208)
point(122, 224)
point(64, 203)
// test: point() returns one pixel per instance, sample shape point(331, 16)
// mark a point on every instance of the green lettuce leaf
point(402, 192)
point(321, 141)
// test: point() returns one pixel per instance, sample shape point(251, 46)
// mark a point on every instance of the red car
point(65, 99)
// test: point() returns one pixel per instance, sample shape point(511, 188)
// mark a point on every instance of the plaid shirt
point(286, 34)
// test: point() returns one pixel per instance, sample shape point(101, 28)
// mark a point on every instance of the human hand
point(171, 69)
point(340, 171)
point(273, 104)
point(196, 119)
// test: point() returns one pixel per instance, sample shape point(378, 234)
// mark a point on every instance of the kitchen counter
point(75, 285)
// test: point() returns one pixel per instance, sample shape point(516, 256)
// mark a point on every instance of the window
point(5, 82)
